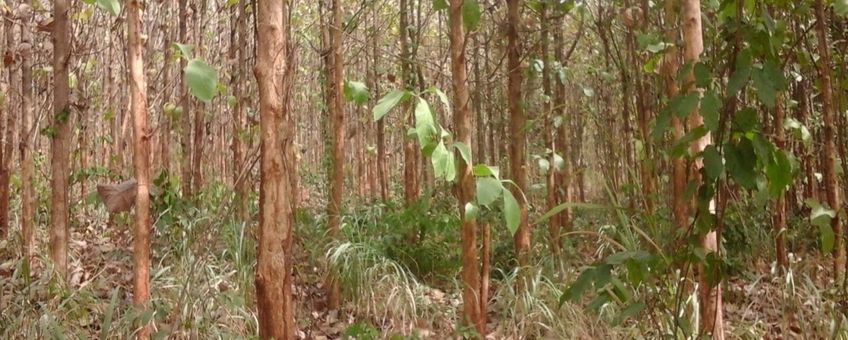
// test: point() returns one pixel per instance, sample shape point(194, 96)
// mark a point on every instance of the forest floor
point(202, 288)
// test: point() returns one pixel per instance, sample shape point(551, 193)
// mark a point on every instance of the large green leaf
point(779, 173)
point(471, 211)
point(471, 14)
point(713, 165)
point(356, 92)
point(741, 162)
point(464, 151)
point(702, 75)
point(682, 104)
point(511, 211)
point(576, 290)
point(443, 163)
point(439, 5)
point(710, 104)
point(184, 49)
point(388, 102)
point(111, 6)
point(840, 7)
point(488, 190)
point(202, 79)
point(425, 124)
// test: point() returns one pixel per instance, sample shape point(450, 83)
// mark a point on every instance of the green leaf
point(425, 125)
point(765, 90)
point(111, 6)
point(443, 163)
point(439, 5)
point(388, 102)
point(576, 290)
point(681, 105)
point(471, 211)
point(464, 151)
point(202, 79)
point(779, 173)
point(511, 211)
point(713, 165)
point(629, 311)
point(702, 75)
point(184, 49)
point(483, 170)
point(488, 190)
point(442, 98)
point(742, 73)
point(827, 237)
point(471, 14)
point(356, 92)
point(840, 7)
point(710, 104)
point(682, 145)
point(558, 209)
point(745, 120)
point(741, 161)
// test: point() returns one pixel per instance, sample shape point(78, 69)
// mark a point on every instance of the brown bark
point(710, 293)
point(780, 204)
point(831, 182)
point(276, 214)
point(410, 152)
point(517, 119)
point(465, 186)
point(336, 106)
point(141, 162)
point(563, 176)
point(7, 133)
point(60, 158)
point(185, 104)
point(669, 71)
point(199, 126)
point(239, 117)
point(549, 131)
point(26, 145)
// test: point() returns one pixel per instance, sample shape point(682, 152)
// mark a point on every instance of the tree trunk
point(517, 119)
point(669, 71)
point(831, 182)
point(336, 105)
point(465, 186)
point(7, 127)
point(410, 152)
point(276, 216)
point(60, 158)
point(185, 109)
point(710, 293)
point(26, 146)
point(549, 132)
point(141, 161)
point(239, 124)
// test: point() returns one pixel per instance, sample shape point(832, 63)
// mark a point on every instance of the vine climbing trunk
point(831, 182)
point(141, 162)
point(277, 190)
point(60, 158)
point(465, 186)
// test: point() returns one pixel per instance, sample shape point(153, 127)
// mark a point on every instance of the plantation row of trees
point(528, 113)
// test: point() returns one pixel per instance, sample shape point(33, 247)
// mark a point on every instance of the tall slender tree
point(141, 161)
point(517, 120)
point(334, 204)
point(276, 214)
point(61, 139)
point(831, 181)
point(465, 186)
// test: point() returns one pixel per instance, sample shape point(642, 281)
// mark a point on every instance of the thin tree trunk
point(7, 127)
point(26, 146)
point(336, 105)
point(185, 108)
point(239, 124)
point(465, 186)
point(141, 161)
point(831, 182)
point(710, 293)
point(549, 132)
point(276, 215)
point(60, 158)
point(410, 152)
point(517, 119)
